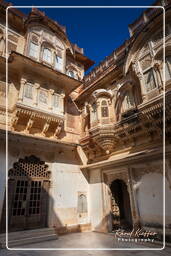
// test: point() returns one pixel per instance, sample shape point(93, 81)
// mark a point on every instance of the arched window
point(149, 78)
point(82, 203)
point(168, 68)
point(128, 100)
point(104, 109)
point(47, 55)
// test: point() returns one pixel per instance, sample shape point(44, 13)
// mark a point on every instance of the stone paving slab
point(89, 239)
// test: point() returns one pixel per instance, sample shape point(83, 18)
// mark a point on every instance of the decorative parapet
point(106, 64)
point(147, 15)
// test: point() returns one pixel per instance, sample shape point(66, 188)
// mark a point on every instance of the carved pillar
point(35, 96)
point(142, 85)
point(21, 92)
point(50, 98)
point(62, 103)
point(98, 111)
point(158, 76)
point(133, 202)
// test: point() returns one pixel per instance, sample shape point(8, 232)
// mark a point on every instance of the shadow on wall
point(29, 200)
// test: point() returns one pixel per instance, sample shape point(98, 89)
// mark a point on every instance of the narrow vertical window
point(56, 101)
point(47, 55)
point(128, 100)
point(33, 50)
point(58, 62)
point(28, 91)
point(43, 96)
point(104, 109)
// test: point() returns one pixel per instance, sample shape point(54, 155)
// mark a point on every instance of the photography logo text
point(138, 235)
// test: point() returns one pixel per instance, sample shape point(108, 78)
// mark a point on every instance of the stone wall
point(67, 182)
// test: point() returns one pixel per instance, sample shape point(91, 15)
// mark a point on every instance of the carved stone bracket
point(58, 129)
point(43, 123)
point(29, 124)
point(45, 128)
point(14, 121)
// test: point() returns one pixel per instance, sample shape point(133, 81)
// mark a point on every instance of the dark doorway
point(121, 210)
point(28, 186)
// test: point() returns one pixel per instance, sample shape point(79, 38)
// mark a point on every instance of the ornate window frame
point(33, 39)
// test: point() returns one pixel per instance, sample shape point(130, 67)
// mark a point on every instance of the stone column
point(137, 69)
point(35, 95)
point(142, 85)
point(21, 92)
point(62, 103)
point(158, 70)
point(50, 99)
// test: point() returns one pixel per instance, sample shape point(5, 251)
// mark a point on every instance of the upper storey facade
point(122, 99)
point(43, 68)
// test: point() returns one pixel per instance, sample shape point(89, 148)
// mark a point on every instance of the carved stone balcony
point(33, 122)
point(139, 127)
point(104, 137)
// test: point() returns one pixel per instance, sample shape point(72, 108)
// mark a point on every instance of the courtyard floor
point(87, 240)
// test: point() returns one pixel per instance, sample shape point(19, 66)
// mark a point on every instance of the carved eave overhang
point(81, 58)
point(102, 92)
point(15, 16)
point(32, 121)
point(56, 145)
point(86, 62)
point(126, 158)
point(21, 64)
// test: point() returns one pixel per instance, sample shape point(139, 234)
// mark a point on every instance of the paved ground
point(88, 240)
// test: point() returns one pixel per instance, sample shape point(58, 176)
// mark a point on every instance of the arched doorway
point(121, 209)
point(28, 186)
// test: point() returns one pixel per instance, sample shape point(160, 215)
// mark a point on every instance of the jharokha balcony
point(143, 123)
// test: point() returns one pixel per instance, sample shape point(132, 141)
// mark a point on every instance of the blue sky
point(98, 31)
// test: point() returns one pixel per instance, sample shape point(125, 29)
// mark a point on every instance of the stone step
point(17, 239)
